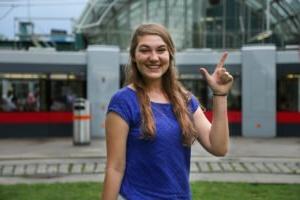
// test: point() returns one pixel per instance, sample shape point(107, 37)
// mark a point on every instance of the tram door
point(288, 104)
point(288, 93)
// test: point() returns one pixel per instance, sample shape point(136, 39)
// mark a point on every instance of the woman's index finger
point(223, 59)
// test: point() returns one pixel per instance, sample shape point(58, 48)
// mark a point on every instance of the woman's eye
point(161, 50)
point(143, 50)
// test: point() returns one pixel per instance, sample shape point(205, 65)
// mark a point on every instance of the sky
point(14, 11)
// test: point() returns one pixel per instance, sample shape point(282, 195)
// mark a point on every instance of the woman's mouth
point(153, 66)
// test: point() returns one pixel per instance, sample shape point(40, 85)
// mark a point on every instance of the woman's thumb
point(204, 72)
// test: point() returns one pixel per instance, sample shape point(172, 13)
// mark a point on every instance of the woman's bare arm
point(214, 136)
point(116, 137)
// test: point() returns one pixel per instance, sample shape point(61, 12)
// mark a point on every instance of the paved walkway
point(274, 160)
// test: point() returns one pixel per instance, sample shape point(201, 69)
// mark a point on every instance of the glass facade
point(194, 23)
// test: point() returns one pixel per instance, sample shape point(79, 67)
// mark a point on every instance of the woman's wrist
point(220, 94)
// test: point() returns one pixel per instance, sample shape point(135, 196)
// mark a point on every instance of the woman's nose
point(153, 56)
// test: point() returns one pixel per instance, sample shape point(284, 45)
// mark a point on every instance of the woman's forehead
point(151, 41)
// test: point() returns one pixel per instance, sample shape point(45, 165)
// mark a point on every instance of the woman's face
point(152, 57)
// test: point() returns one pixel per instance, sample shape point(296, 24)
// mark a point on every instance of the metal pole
point(268, 15)
point(167, 13)
point(224, 25)
point(145, 9)
point(186, 37)
point(28, 11)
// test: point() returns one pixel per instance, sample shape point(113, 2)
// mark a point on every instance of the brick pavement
point(54, 168)
point(57, 160)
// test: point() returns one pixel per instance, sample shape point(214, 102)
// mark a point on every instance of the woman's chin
point(153, 76)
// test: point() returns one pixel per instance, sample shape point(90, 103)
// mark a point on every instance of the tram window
point(235, 96)
point(19, 95)
point(63, 94)
point(288, 92)
point(40, 92)
point(200, 89)
point(122, 73)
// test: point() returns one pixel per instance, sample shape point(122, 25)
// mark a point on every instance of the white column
point(103, 68)
point(259, 91)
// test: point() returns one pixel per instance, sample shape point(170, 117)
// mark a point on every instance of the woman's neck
point(154, 86)
point(155, 92)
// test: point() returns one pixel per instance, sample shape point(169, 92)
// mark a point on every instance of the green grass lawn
point(200, 190)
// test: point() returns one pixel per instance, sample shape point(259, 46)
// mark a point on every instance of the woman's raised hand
point(220, 81)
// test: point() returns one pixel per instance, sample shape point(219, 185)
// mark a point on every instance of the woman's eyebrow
point(144, 45)
point(148, 46)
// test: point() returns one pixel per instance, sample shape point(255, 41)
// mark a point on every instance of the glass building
point(193, 23)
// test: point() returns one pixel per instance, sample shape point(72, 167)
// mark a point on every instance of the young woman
point(152, 122)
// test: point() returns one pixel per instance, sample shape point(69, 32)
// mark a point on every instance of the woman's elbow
point(220, 152)
point(120, 169)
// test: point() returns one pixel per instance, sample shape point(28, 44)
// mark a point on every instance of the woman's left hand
point(220, 81)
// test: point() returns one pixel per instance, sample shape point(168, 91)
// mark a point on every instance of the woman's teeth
point(153, 66)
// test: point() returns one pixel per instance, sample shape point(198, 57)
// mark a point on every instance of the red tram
point(40, 103)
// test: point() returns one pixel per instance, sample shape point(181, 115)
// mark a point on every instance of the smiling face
point(152, 57)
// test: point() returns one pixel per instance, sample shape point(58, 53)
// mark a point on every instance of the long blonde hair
point(175, 92)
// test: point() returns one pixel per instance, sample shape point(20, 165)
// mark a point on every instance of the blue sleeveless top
point(156, 169)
